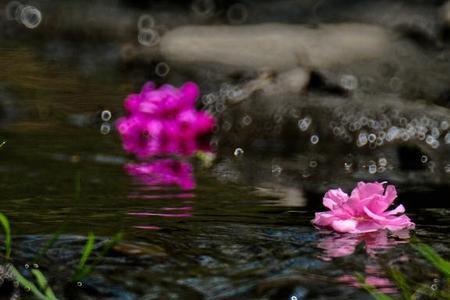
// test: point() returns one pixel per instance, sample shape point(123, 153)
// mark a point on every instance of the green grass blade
point(371, 289)
point(434, 258)
point(401, 282)
point(43, 284)
point(115, 239)
point(50, 243)
point(25, 283)
point(86, 269)
point(87, 250)
point(5, 224)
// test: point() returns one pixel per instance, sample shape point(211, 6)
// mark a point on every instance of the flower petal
point(364, 190)
point(373, 215)
point(390, 194)
point(344, 225)
point(398, 210)
point(324, 218)
point(334, 198)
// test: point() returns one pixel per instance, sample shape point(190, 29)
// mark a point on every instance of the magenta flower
point(365, 210)
point(164, 121)
point(163, 172)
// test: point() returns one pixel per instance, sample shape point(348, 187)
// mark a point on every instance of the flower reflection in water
point(373, 278)
point(339, 245)
point(170, 176)
point(163, 173)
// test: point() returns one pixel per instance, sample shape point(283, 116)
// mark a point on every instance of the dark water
point(223, 240)
point(243, 232)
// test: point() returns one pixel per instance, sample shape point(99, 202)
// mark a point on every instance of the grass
point(410, 290)
point(434, 258)
point(7, 229)
point(39, 286)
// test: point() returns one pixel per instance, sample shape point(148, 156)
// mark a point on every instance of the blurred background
point(308, 95)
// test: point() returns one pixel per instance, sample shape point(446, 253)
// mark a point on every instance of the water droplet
point(364, 121)
point(203, 7)
point(148, 37)
point(435, 144)
point(304, 123)
point(372, 138)
point(238, 152)
point(313, 164)
point(27, 266)
point(348, 166)
point(27, 288)
point(237, 13)
point(314, 139)
point(105, 128)
point(435, 132)
point(424, 159)
point(372, 169)
point(106, 115)
point(145, 22)
point(220, 107)
point(349, 82)
point(338, 131)
point(392, 134)
point(444, 125)
point(79, 284)
point(362, 139)
point(162, 69)
point(447, 168)
point(382, 162)
point(36, 266)
point(379, 141)
point(276, 170)
point(447, 138)
point(13, 10)
point(421, 136)
point(404, 135)
point(246, 120)
point(30, 16)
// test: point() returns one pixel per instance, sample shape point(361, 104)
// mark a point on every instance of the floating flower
point(365, 210)
point(164, 121)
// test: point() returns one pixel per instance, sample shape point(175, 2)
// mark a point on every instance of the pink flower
point(163, 172)
point(164, 121)
point(365, 210)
